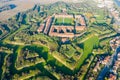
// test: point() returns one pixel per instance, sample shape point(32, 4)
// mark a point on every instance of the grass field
point(13, 34)
point(68, 50)
point(89, 44)
point(64, 21)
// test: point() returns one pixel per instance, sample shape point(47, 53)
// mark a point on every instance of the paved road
point(107, 66)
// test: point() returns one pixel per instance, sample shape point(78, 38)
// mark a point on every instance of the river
point(117, 2)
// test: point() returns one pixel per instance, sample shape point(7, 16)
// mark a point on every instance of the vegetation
point(89, 45)
point(68, 50)
point(64, 21)
point(26, 54)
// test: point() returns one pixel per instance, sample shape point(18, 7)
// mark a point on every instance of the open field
point(64, 21)
point(89, 45)
point(23, 5)
point(68, 50)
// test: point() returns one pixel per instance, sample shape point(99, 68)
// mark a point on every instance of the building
point(63, 31)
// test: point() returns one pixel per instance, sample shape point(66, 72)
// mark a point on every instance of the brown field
point(23, 5)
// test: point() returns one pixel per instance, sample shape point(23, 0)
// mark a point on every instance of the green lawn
point(64, 21)
point(100, 14)
point(89, 44)
point(68, 50)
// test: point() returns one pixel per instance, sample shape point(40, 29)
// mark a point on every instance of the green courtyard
point(64, 21)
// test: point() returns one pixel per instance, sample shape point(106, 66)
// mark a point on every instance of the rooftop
point(63, 25)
